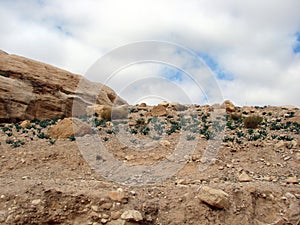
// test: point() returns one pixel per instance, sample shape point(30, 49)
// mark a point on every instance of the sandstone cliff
point(31, 89)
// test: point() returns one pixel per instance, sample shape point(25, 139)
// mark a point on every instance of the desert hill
point(165, 164)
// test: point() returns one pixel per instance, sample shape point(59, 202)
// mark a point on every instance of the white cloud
point(252, 40)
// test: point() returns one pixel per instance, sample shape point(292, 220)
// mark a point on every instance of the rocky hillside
point(49, 175)
point(31, 89)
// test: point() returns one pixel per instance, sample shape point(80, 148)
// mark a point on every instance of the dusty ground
point(47, 182)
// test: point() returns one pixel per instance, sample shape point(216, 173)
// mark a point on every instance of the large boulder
point(69, 127)
point(31, 89)
point(229, 106)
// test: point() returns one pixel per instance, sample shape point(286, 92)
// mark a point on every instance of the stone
point(292, 180)
point(214, 197)
point(229, 106)
point(244, 177)
point(165, 143)
point(103, 111)
point(30, 89)
point(95, 208)
point(179, 107)
point(118, 196)
point(25, 123)
point(117, 222)
point(106, 206)
point(132, 215)
point(279, 144)
point(115, 215)
point(36, 201)
point(143, 104)
point(69, 127)
point(159, 110)
point(293, 144)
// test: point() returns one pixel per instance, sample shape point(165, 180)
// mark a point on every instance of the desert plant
point(190, 137)
point(252, 121)
point(43, 136)
point(105, 139)
point(72, 138)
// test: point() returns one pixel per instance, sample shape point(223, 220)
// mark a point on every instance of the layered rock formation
point(31, 89)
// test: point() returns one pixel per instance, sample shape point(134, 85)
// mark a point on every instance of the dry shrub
point(252, 121)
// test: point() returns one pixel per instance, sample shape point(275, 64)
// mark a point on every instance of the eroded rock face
point(31, 89)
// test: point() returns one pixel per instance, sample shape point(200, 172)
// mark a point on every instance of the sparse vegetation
point(252, 121)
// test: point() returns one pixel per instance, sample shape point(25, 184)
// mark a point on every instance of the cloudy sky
point(252, 48)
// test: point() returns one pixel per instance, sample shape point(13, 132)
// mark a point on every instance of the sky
point(251, 48)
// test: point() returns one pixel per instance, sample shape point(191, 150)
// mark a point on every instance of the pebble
point(214, 197)
point(132, 215)
point(36, 201)
point(243, 177)
point(292, 180)
point(118, 195)
point(95, 208)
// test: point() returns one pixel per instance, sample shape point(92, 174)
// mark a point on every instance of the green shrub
point(252, 121)
point(72, 138)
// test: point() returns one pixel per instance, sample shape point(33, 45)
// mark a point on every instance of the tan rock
point(292, 180)
point(118, 195)
point(159, 110)
point(103, 111)
point(229, 106)
point(165, 143)
point(69, 127)
point(244, 177)
point(214, 197)
point(31, 89)
point(132, 215)
point(25, 123)
point(279, 144)
point(143, 104)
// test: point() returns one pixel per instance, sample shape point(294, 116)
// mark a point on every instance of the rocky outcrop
point(69, 127)
point(31, 89)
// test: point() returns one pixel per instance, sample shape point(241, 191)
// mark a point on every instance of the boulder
point(102, 111)
point(31, 89)
point(159, 110)
point(214, 197)
point(69, 127)
point(229, 106)
point(132, 215)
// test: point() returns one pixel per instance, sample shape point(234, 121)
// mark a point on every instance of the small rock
point(25, 123)
point(229, 106)
point(115, 215)
point(132, 215)
point(214, 197)
point(104, 221)
point(244, 177)
point(159, 110)
point(293, 144)
point(292, 180)
point(164, 143)
point(279, 144)
point(118, 196)
point(95, 208)
point(106, 206)
point(36, 201)
point(17, 218)
point(117, 222)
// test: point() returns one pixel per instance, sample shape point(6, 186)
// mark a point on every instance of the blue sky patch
point(173, 74)
point(214, 66)
point(296, 47)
